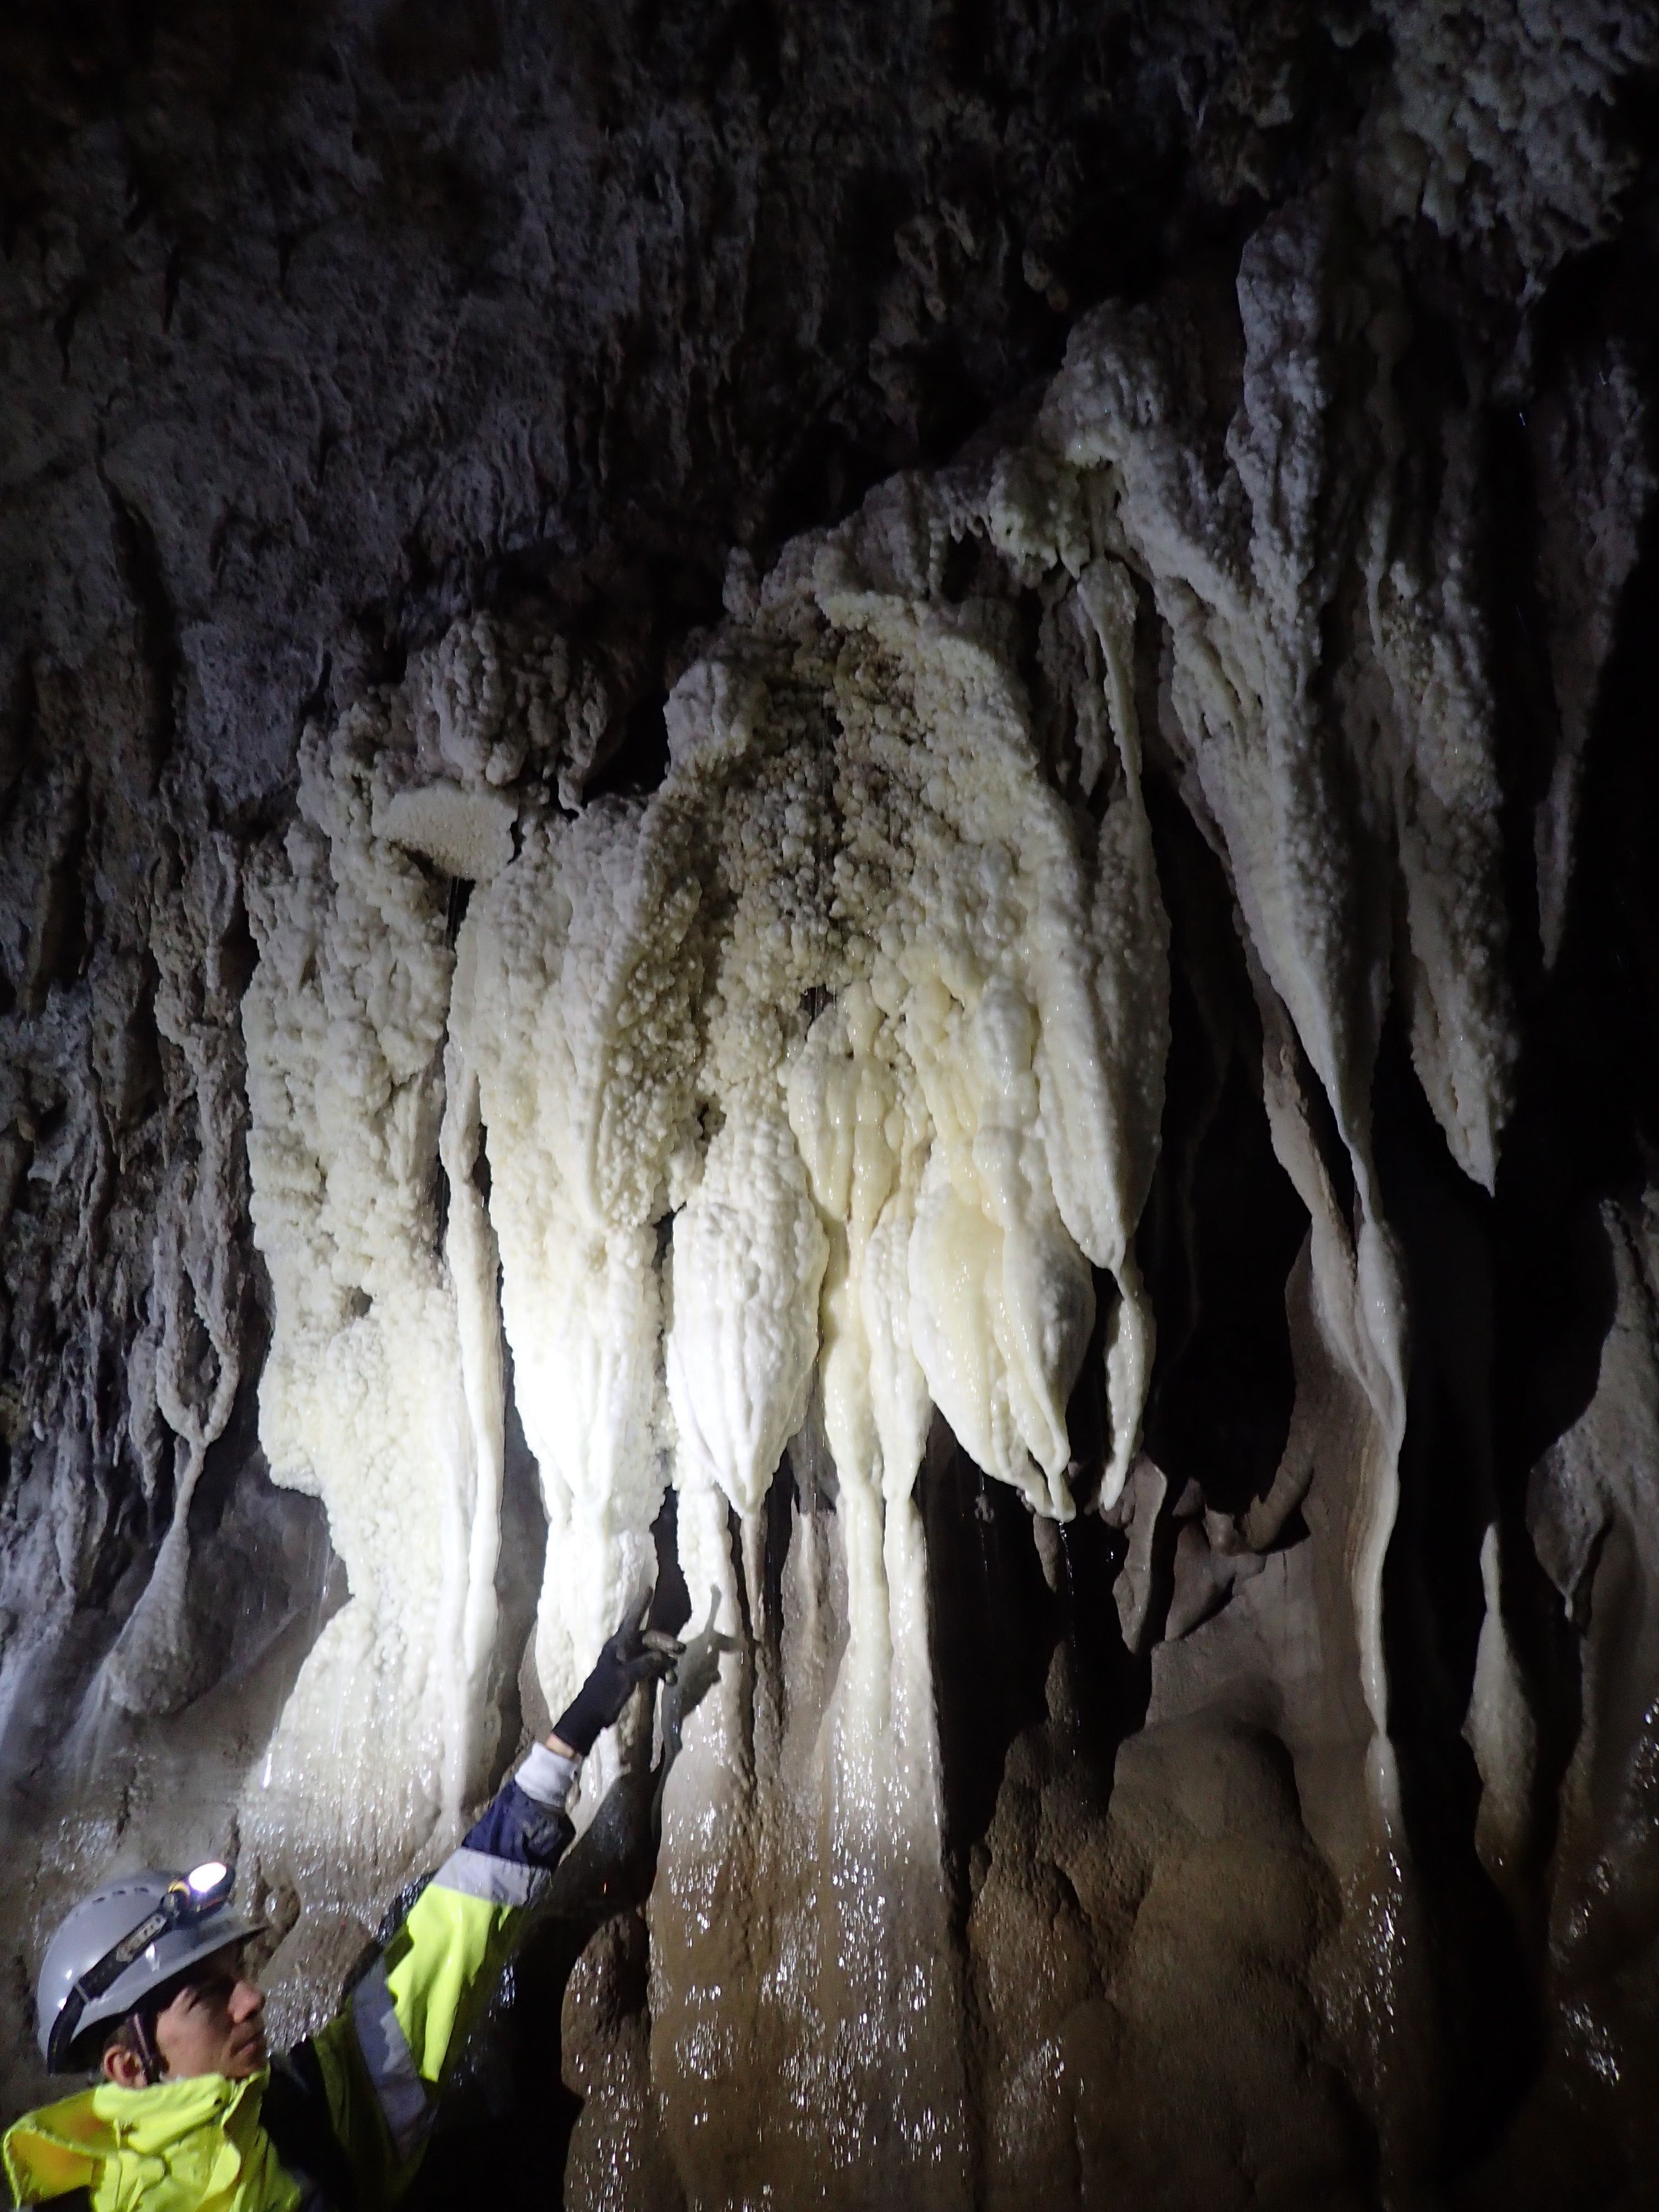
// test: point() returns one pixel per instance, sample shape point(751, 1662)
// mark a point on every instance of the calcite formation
point(942, 947)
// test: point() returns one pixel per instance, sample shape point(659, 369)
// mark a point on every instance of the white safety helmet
point(123, 1942)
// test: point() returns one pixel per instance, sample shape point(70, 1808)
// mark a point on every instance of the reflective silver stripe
point(391, 2062)
point(547, 1776)
point(497, 1882)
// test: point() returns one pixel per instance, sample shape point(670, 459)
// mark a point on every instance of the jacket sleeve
point(409, 2015)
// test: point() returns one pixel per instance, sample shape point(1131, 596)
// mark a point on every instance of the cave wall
point(445, 388)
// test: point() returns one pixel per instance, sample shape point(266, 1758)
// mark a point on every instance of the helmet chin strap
point(149, 2058)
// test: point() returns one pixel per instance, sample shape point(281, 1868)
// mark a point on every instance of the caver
point(143, 1980)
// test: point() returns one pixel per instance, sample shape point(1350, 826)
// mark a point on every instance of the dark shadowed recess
point(1433, 1606)
point(993, 1626)
point(1512, 1297)
point(519, 1568)
point(262, 1561)
point(1223, 1224)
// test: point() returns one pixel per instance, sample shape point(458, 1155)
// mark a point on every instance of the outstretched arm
point(409, 2015)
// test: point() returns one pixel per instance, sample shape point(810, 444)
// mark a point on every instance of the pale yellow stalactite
point(749, 1257)
point(576, 1128)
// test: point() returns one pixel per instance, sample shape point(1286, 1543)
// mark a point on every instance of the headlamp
point(208, 1885)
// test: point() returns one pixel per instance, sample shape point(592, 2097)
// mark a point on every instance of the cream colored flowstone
point(382, 1392)
point(834, 1064)
point(834, 1067)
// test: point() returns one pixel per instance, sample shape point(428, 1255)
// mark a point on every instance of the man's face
point(214, 2024)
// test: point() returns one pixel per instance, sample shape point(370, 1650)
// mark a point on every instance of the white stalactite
point(749, 1257)
point(577, 1094)
point(379, 1392)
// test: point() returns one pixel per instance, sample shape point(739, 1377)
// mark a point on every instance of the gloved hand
point(635, 1653)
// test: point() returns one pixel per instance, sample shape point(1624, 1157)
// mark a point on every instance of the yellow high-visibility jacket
point(339, 2125)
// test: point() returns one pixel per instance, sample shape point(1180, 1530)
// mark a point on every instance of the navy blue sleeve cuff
point(518, 1829)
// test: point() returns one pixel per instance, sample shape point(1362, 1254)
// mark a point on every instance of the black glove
point(634, 1655)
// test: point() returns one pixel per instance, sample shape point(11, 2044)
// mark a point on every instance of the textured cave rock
point(356, 353)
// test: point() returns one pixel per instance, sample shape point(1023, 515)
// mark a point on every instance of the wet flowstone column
point(805, 2014)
